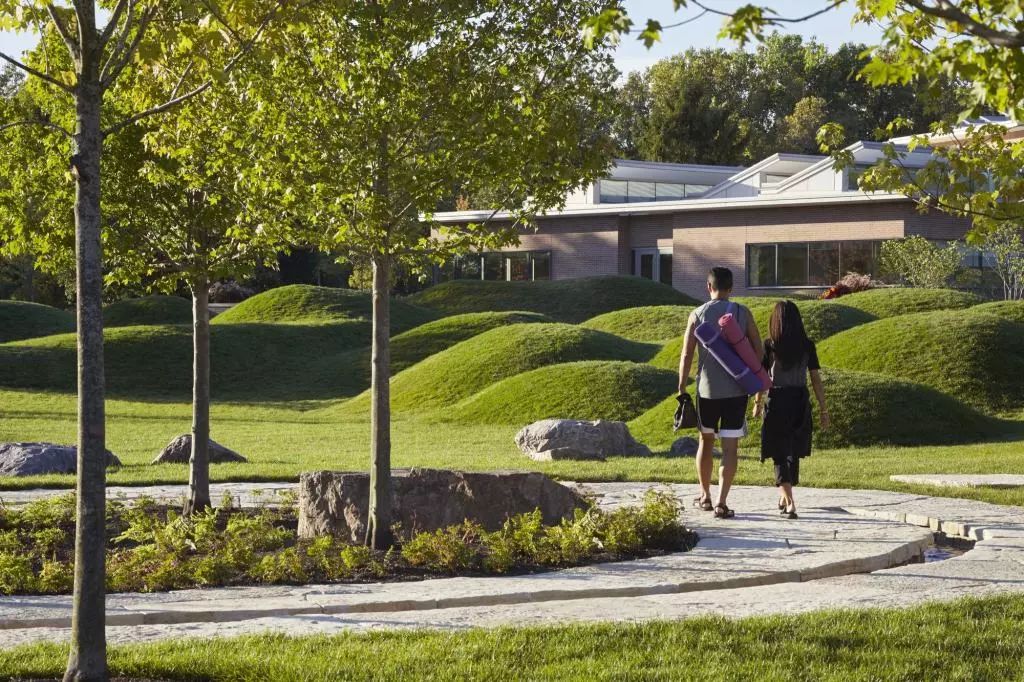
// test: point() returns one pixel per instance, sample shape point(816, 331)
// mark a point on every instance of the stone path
point(241, 494)
point(845, 551)
point(963, 480)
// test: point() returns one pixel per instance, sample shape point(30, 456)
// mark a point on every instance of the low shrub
point(152, 548)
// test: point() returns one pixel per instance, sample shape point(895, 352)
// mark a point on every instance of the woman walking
point(789, 356)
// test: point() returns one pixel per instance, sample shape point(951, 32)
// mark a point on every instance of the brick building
point(788, 222)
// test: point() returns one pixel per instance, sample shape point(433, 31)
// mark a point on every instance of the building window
point(515, 266)
point(809, 264)
point(653, 264)
point(634, 191)
point(853, 177)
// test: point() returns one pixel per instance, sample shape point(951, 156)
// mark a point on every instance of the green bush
point(573, 300)
point(517, 543)
point(580, 390)
point(148, 310)
point(20, 320)
point(446, 550)
point(16, 574)
point(920, 262)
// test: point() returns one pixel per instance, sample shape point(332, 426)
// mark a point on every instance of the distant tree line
point(719, 106)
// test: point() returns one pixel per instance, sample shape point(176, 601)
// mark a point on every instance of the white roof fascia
point(759, 167)
point(684, 205)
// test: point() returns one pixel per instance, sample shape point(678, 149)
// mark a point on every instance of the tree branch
point(776, 20)
point(115, 17)
point(122, 38)
point(175, 101)
point(64, 33)
point(950, 12)
point(36, 122)
point(122, 59)
point(37, 73)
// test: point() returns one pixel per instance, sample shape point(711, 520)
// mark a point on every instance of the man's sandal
point(703, 503)
point(723, 512)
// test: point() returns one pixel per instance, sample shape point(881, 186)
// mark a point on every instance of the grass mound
point(428, 339)
point(646, 324)
point(901, 301)
point(579, 390)
point(249, 362)
point(301, 303)
point(468, 367)
point(1010, 310)
point(148, 310)
point(20, 320)
point(822, 319)
point(977, 358)
point(866, 409)
point(572, 300)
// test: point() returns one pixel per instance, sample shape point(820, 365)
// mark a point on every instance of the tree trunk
point(88, 657)
point(378, 527)
point(199, 462)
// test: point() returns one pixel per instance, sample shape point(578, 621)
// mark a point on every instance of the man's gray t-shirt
point(713, 381)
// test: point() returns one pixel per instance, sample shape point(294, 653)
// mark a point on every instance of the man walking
point(721, 402)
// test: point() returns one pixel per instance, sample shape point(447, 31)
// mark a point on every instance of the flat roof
point(683, 205)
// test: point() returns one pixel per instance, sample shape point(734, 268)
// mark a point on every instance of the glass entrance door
point(653, 264)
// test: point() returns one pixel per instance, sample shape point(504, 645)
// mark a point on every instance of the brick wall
point(702, 240)
point(580, 247)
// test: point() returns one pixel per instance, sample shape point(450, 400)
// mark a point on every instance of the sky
point(832, 28)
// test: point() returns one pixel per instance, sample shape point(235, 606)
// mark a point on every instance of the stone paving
point(963, 480)
point(846, 550)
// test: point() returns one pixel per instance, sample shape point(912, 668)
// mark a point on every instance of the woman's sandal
point(723, 512)
point(703, 503)
point(790, 513)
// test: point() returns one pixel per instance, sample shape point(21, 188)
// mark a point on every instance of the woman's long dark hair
point(786, 329)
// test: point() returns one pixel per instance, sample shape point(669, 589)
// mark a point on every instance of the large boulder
point(554, 439)
point(335, 503)
point(179, 451)
point(34, 459)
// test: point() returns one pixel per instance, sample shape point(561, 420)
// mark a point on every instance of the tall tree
point(168, 36)
point(391, 104)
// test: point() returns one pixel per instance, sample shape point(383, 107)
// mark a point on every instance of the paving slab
point(962, 480)
point(843, 552)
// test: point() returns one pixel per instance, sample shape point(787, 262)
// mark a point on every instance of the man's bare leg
point(705, 463)
point(727, 472)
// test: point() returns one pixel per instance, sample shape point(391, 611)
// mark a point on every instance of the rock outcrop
point(555, 439)
point(35, 459)
point(179, 451)
point(336, 503)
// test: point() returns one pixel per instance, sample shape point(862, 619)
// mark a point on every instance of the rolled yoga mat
point(711, 337)
point(741, 344)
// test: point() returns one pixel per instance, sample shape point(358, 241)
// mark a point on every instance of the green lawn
point(285, 439)
point(977, 639)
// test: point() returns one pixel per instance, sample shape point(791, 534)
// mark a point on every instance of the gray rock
point(687, 447)
point(335, 503)
point(33, 459)
point(555, 439)
point(179, 451)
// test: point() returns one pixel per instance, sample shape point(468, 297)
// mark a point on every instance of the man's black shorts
point(725, 416)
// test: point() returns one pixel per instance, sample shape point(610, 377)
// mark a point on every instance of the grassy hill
point(573, 300)
point(578, 390)
point(866, 410)
point(421, 342)
point(248, 362)
point(20, 320)
point(301, 303)
point(822, 319)
point(1011, 310)
point(148, 310)
point(468, 367)
point(889, 302)
point(648, 324)
point(976, 358)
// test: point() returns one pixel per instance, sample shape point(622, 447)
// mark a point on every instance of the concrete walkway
point(845, 551)
point(963, 480)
